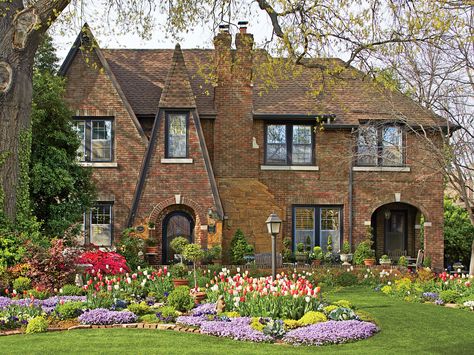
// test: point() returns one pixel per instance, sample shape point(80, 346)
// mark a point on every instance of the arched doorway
point(176, 224)
point(396, 229)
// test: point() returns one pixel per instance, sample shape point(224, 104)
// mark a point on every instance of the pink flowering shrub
point(105, 262)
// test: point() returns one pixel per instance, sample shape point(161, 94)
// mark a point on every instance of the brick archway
point(408, 202)
point(164, 208)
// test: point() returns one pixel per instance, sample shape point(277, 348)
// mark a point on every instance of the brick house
point(173, 153)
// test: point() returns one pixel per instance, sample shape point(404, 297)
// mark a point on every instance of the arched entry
point(396, 228)
point(176, 224)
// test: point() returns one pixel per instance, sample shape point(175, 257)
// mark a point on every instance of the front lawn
point(405, 328)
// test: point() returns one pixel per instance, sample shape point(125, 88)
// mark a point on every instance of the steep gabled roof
point(84, 39)
point(177, 92)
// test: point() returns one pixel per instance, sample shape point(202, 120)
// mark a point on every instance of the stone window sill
point(290, 167)
point(395, 169)
point(99, 164)
point(176, 161)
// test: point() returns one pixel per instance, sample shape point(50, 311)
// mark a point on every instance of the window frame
point(317, 222)
point(87, 220)
point(167, 123)
point(88, 137)
point(289, 143)
point(379, 130)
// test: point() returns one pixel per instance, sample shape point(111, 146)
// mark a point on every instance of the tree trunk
point(471, 264)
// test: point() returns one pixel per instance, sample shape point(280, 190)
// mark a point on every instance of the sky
point(64, 33)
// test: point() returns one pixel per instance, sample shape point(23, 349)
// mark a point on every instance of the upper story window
point(96, 137)
point(176, 135)
point(289, 144)
point(380, 146)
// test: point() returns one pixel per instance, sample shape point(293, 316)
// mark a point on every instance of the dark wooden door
point(176, 224)
point(395, 231)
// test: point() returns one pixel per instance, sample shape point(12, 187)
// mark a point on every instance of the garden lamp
point(273, 225)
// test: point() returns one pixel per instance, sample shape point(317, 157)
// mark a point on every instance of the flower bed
point(331, 332)
point(101, 316)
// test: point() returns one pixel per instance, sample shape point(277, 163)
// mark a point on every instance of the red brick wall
point(90, 91)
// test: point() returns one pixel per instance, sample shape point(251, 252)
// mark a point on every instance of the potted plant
point(317, 255)
point(385, 260)
point(403, 261)
point(151, 246)
point(151, 226)
point(177, 245)
point(194, 253)
point(346, 256)
point(179, 273)
point(300, 254)
point(364, 254)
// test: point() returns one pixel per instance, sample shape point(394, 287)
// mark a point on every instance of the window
point(97, 225)
point(176, 135)
point(380, 146)
point(314, 224)
point(96, 139)
point(289, 144)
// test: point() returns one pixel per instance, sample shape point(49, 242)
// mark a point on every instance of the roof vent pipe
point(243, 26)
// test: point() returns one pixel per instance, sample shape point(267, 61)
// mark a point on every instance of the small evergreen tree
point(239, 247)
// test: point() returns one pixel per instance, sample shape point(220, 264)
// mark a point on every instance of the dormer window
point(380, 145)
point(176, 135)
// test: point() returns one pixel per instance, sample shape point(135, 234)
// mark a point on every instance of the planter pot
point(151, 250)
point(316, 262)
point(301, 257)
point(369, 262)
point(346, 259)
point(180, 282)
point(199, 297)
point(385, 262)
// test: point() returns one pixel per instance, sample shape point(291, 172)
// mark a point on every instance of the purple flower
point(237, 328)
point(103, 316)
point(331, 332)
point(430, 295)
point(204, 309)
point(439, 302)
point(192, 321)
point(5, 302)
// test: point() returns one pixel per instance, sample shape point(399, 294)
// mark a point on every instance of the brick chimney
point(244, 58)
point(222, 55)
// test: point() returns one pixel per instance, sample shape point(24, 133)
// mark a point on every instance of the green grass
point(407, 328)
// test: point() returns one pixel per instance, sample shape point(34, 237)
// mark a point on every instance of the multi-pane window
point(97, 225)
point(176, 135)
point(96, 139)
point(316, 224)
point(380, 146)
point(289, 144)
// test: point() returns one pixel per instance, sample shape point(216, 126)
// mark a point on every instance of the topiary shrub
point(180, 299)
point(312, 317)
point(71, 290)
point(69, 310)
point(139, 308)
point(37, 325)
point(21, 284)
point(239, 247)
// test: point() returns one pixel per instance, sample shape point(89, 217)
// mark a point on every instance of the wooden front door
point(176, 224)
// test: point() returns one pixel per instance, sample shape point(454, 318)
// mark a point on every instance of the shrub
point(346, 279)
point(363, 251)
point(21, 284)
point(257, 324)
point(178, 244)
point(37, 325)
point(130, 247)
point(179, 271)
point(449, 296)
point(239, 247)
point(51, 267)
point(329, 309)
point(38, 293)
point(71, 290)
point(291, 323)
point(166, 314)
point(180, 299)
point(107, 262)
point(149, 318)
point(403, 261)
point(69, 310)
point(139, 308)
point(343, 303)
point(312, 317)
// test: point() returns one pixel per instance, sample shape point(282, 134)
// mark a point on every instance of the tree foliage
point(458, 233)
point(60, 188)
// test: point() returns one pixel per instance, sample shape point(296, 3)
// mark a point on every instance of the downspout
point(351, 182)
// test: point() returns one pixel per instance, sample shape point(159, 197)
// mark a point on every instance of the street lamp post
point(273, 225)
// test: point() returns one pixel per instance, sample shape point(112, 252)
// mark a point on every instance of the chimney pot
point(243, 26)
point(224, 28)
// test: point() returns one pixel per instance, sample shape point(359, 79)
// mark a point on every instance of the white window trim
point(290, 167)
point(394, 169)
point(177, 161)
point(98, 164)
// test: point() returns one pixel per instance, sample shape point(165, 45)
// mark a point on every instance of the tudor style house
point(177, 152)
